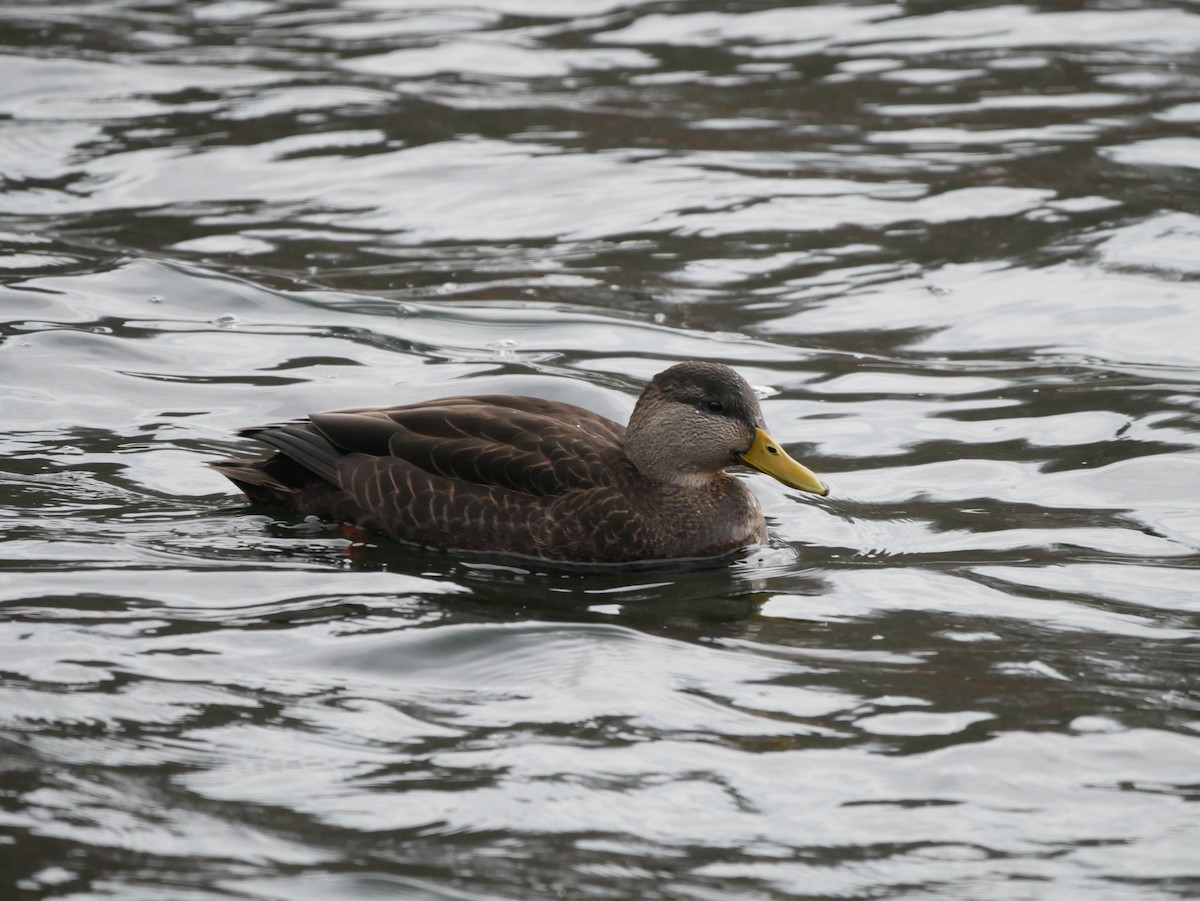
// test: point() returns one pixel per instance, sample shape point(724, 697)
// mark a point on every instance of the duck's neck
point(657, 457)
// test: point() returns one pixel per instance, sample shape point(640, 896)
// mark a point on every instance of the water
point(955, 248)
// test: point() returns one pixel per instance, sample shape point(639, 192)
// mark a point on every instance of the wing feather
point(488, 440)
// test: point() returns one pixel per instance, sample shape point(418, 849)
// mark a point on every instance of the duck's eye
point(714, 406)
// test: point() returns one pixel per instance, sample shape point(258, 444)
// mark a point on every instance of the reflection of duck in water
point(537, 478)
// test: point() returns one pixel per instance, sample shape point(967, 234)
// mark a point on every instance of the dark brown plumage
point(524, 476)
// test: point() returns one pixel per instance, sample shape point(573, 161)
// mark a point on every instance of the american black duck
point(537, 478)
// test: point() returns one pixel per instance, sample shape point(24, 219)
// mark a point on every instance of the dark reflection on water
point(955, 248)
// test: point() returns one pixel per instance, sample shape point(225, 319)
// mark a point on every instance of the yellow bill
point(767, 456)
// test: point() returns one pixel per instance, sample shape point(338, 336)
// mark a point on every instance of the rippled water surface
point(956, 248)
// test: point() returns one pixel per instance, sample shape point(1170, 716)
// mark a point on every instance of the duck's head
point(696, 419)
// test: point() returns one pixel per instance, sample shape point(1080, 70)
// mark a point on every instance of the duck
point(527, 477)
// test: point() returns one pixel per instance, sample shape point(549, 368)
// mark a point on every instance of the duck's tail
point(258, 479)
point(303, 457)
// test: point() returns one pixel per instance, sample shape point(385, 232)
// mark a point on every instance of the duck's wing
point(520, 444)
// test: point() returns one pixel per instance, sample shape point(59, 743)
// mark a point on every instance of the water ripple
point(954, 250)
